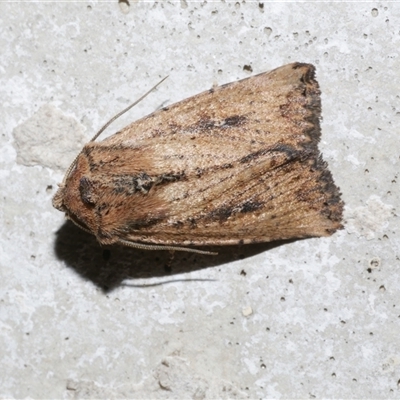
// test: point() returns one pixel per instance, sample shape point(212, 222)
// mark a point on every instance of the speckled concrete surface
point(317, 318)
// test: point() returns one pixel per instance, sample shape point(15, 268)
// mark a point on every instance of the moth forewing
point(235, 164)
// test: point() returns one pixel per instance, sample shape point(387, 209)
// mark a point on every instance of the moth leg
point(168, 266)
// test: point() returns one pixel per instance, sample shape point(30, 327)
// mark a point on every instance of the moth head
point(58, 199)
point(76, 196)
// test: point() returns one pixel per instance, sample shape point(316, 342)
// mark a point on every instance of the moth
point(236, 164)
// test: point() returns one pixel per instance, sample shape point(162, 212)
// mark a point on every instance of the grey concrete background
point(317, 318)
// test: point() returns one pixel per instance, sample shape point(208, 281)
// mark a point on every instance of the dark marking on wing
point(250, 206)
point(86, 191)
point(234, 120)
point(253, 156)
point(138, 225)
point(142, 182)
point(220, 214)
point(291, 153)
point(204, 123)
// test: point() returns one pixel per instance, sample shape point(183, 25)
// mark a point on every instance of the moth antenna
point(157, 247)
point(68, 217)
point(102, 129)
point(150, 246)
point(105, 126)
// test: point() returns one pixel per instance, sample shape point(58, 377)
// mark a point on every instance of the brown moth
point(235, 164)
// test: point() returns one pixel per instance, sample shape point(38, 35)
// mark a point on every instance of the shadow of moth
point(236, 164)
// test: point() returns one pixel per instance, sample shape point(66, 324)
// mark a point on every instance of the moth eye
point(86, 191)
